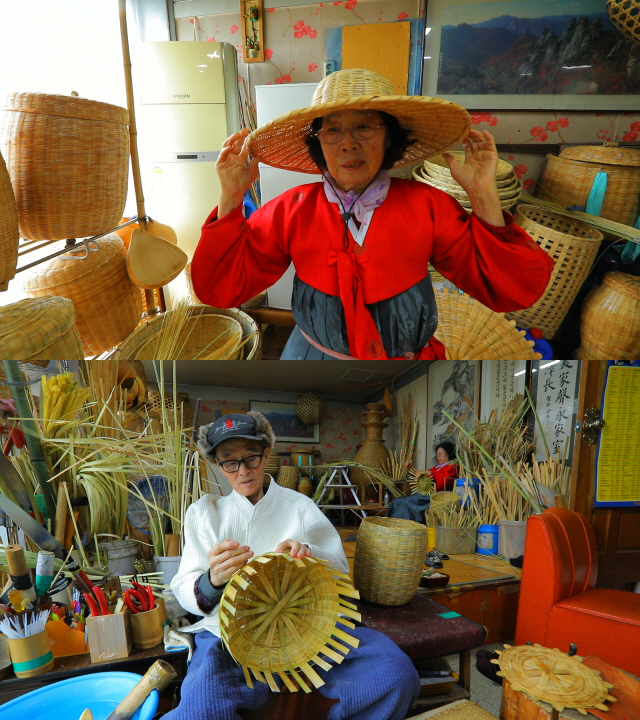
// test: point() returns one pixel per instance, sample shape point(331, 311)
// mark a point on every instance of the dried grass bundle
point(400, 461)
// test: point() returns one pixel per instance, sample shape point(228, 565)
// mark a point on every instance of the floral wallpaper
point(340, 430)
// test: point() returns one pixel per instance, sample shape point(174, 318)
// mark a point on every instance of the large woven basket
point(68, 158)
point(568, 179)
point(625, 15)
point(40, 329)
point(279, 614)
point(389, 559)
point(8, 228)
point(202, 333)
point(471, 331)
point(108, 305)
point(610, 320)
point(574, 246)
point(288, 476)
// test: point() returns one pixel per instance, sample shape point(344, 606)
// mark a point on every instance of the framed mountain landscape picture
point(529, 54)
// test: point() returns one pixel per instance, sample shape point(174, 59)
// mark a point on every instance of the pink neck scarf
point(371, 199)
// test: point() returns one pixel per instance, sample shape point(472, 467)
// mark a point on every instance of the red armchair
point(559, 603)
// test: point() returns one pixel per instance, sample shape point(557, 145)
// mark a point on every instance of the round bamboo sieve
point(68, 158)
point(470, 331)
point(574, 246)
point(8, 228)
point(279, 614)
point(610, 319)
point(40, 329)
point(288, 476)
point(108, 305)
point(389, 559)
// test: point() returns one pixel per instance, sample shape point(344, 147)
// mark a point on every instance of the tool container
point(146, 628)
point(109, 636)
point(31, 656)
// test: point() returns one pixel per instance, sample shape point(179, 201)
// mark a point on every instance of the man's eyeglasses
point(251, 462)
point(331, 134)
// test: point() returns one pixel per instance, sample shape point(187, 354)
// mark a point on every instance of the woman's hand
point(295, 548)
point(226, 558)
point(235, 174)
point(478, 175)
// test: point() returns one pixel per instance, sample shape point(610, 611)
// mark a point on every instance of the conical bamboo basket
point(471, 331)
point(279, 614)
point(8, 228)
point(37, 329)
point(108, 305)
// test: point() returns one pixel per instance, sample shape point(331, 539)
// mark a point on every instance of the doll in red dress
point(444, 474)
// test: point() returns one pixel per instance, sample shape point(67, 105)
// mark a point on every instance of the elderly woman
point(361, 241)
point(376, 681)
point(445, 471)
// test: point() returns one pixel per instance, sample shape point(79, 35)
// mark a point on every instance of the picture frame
point(507, 54)
point(285, 424)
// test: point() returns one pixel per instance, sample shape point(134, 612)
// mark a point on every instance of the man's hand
point(294, 548)
point(226, 558)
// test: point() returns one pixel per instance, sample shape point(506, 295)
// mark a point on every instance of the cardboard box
point(109, 636)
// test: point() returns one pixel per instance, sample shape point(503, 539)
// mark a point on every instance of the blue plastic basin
point(67, 700)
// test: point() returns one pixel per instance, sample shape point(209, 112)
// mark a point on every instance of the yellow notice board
point(381, 47)
point(618, 463)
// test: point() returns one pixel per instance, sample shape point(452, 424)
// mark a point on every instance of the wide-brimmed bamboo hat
point(436, 125)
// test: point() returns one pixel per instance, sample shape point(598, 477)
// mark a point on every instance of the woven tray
point(471, 331)
point(68, 158)
point(439, 164)
point(574, 247)
point(278, 616)
point(8, 228)
point(40, 329)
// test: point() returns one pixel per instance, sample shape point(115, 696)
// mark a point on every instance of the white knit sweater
point(282, 514)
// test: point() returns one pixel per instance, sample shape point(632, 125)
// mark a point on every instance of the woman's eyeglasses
point(331, 135)
point(251, 462)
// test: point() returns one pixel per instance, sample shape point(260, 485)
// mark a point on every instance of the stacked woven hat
point(435, 172)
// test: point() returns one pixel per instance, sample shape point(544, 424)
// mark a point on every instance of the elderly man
point(376, 681)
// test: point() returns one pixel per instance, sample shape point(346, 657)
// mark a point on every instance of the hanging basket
point(310, 408)
point(610, 320)
point(389, 559)
point(108, 305)
point(625, 15)
point(469, 330)
point(37, 329)
point(288, 476)
point(279, 614)
point(568, 179)
point(8, 228)
point(68, 158)
point(574, 246)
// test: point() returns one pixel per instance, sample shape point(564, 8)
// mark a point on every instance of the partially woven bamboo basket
point(471, 331)
point(154, 407)
point(625, 15)
point(610, 320)
point(204, 330)
point(279, 614)
point(568, 180)
point(9, 235)
point(288, 476)
point(68, 158)
point(108, 305)
point(574, 246)
point(389, 559)
point(37, 329)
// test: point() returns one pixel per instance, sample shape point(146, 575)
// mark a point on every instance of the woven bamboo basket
point(279, 614)
point(471, 331)
point(154, 407)
point(68, 158)
point(309, 408)
point(288, 476)
point(389, 559)
point(551, 676)
point(439, 165)
point(568, 179)
point(625, 15)
point(8, 228)
point(610, 320)
point(108, 305)
point(574, 246)
point(204, 331)
point(40, 329)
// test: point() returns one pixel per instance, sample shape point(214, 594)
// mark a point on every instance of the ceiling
point(355, 380)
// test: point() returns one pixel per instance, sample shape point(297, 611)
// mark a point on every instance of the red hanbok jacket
point(236, 259)
point(444, 476)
